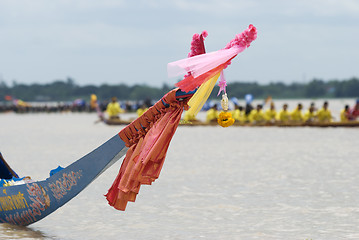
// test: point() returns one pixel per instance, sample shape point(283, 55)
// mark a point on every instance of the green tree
point(315, 88)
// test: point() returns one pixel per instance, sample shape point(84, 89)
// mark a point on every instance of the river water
point(216, 183)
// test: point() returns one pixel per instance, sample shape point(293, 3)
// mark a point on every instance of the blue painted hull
point(28, 203)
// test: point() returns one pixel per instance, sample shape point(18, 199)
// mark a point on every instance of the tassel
point(148, 148)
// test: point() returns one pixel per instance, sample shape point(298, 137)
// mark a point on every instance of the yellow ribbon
point(202, 94)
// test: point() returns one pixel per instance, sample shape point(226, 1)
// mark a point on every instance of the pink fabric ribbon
point(199, 66)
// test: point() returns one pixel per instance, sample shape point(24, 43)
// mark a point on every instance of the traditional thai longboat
point(239, 124)
point(279, 124)
point(25, 202)
point(144, 141)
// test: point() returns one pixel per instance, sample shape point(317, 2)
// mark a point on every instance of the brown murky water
point(217, 183)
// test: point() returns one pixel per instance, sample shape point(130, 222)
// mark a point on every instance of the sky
point(131, 41)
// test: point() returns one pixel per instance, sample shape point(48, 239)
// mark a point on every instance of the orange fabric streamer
point(148, 138)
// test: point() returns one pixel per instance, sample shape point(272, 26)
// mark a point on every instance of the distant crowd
point(24, 107)
point(78, 105)
point(250, 114)
point(257, 114)
point(241, 113)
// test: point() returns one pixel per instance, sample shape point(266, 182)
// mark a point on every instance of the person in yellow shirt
point(324, 114)
point(212, 114)
point(141, 110)
point(113, 109)
point(257, 115)
point(238, 114)
point(189, 117)
point(296, 115)
point(283, 115)
point(93, 102)
point(271, 113)
point(310, 115)
point(345, 114)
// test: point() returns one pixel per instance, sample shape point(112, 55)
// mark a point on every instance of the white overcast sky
point(119, 41)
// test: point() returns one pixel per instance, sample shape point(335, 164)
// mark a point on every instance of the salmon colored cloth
point(190, 83)
point(148, 138)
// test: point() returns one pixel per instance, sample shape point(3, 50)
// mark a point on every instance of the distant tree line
point(68, 90)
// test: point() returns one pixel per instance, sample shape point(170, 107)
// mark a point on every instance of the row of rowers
point(258, 115)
